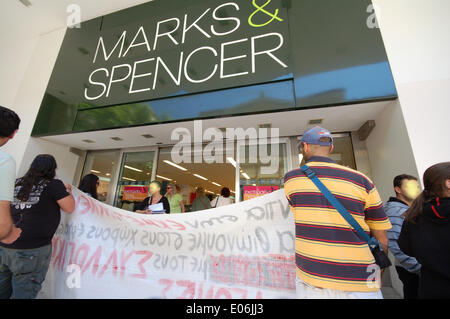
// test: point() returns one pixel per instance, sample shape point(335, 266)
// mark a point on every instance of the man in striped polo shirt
point(332, 260)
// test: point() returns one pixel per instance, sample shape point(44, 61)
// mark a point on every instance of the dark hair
point(9, 122)
point(89, 185)
point(398, 180)
point(225, 192)
point(42, 168)
point(434, 182)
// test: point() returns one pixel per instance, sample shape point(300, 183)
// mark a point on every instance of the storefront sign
point(214, 41)
point(257, 191)
point(243, 251)
point(135, 193)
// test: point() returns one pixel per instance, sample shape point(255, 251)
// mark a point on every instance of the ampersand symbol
point(261, 9)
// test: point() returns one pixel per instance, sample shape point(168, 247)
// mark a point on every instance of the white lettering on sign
point(178, 32)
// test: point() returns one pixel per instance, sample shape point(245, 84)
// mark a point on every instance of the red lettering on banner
point(135, 220)
point(272, 271)
point(123, 260)
point(112, 259)
point(178, 226)
point(83, 209)
point(191, 288)
point(94, 258)
point(148, 255)
point(168, 283)
point(82, 249)
point(189, 292)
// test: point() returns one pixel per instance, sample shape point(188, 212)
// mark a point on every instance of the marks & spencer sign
point(209, 45)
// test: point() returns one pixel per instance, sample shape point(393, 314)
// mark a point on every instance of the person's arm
point(376, 218)
point(8, 232)
point(6, 223)
point(183, 209)
point(67, 204)
point(409, 263)
point(166, 204)
point(141, 207)
point(381, 236)
point(62, 194)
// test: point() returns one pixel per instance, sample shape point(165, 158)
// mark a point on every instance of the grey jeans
point(22, 271)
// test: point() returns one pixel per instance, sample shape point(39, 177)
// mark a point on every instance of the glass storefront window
point(134, 178)
point(261, 175)
point(186, 177)
point(102, 164)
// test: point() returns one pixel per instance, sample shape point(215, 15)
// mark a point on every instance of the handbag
point(381, 259)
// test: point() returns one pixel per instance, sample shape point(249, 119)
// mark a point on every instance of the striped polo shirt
point(329, 253)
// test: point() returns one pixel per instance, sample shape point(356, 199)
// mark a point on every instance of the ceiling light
point(245, 175)
point(147, 136)
point(133, 169)
point(232, 161)
point(201, 177)
point(116, 139)
point(94, 171)
point(88, 141)
point(162, 177)
point(129, 179)
point(175, 165)
point(216, 184)
point(108, 174)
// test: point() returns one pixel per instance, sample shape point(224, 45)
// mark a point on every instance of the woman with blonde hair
point(175, 200)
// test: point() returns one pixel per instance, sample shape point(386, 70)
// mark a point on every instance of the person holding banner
point(36, 209)
point(335, 209)
point(155, 198)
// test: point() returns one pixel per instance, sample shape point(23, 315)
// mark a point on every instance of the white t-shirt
point(8, 177)
point(221, 201)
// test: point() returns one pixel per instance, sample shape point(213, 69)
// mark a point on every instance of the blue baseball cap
point(313, 136)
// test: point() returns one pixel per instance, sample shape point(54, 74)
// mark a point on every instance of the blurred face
point(154, 188)
point(169, 189)
point(410, 189)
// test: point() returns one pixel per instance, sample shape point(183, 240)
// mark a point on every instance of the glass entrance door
point(136, 173)
point(103, 164)
point(261, 169)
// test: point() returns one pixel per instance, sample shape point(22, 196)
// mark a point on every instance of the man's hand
point(13, 236)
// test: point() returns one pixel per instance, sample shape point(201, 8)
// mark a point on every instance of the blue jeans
point(22, 271)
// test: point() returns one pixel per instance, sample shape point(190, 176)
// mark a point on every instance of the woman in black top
point(155, 198)
point(36, 209)
point(425, 233)
point(89, 185)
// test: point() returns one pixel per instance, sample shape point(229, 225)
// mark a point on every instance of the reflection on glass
point(102, 165)
point(188, 176)
point(260, 175)
point(134, 179)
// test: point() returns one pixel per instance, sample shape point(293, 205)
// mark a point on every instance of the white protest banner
point(245, 250)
